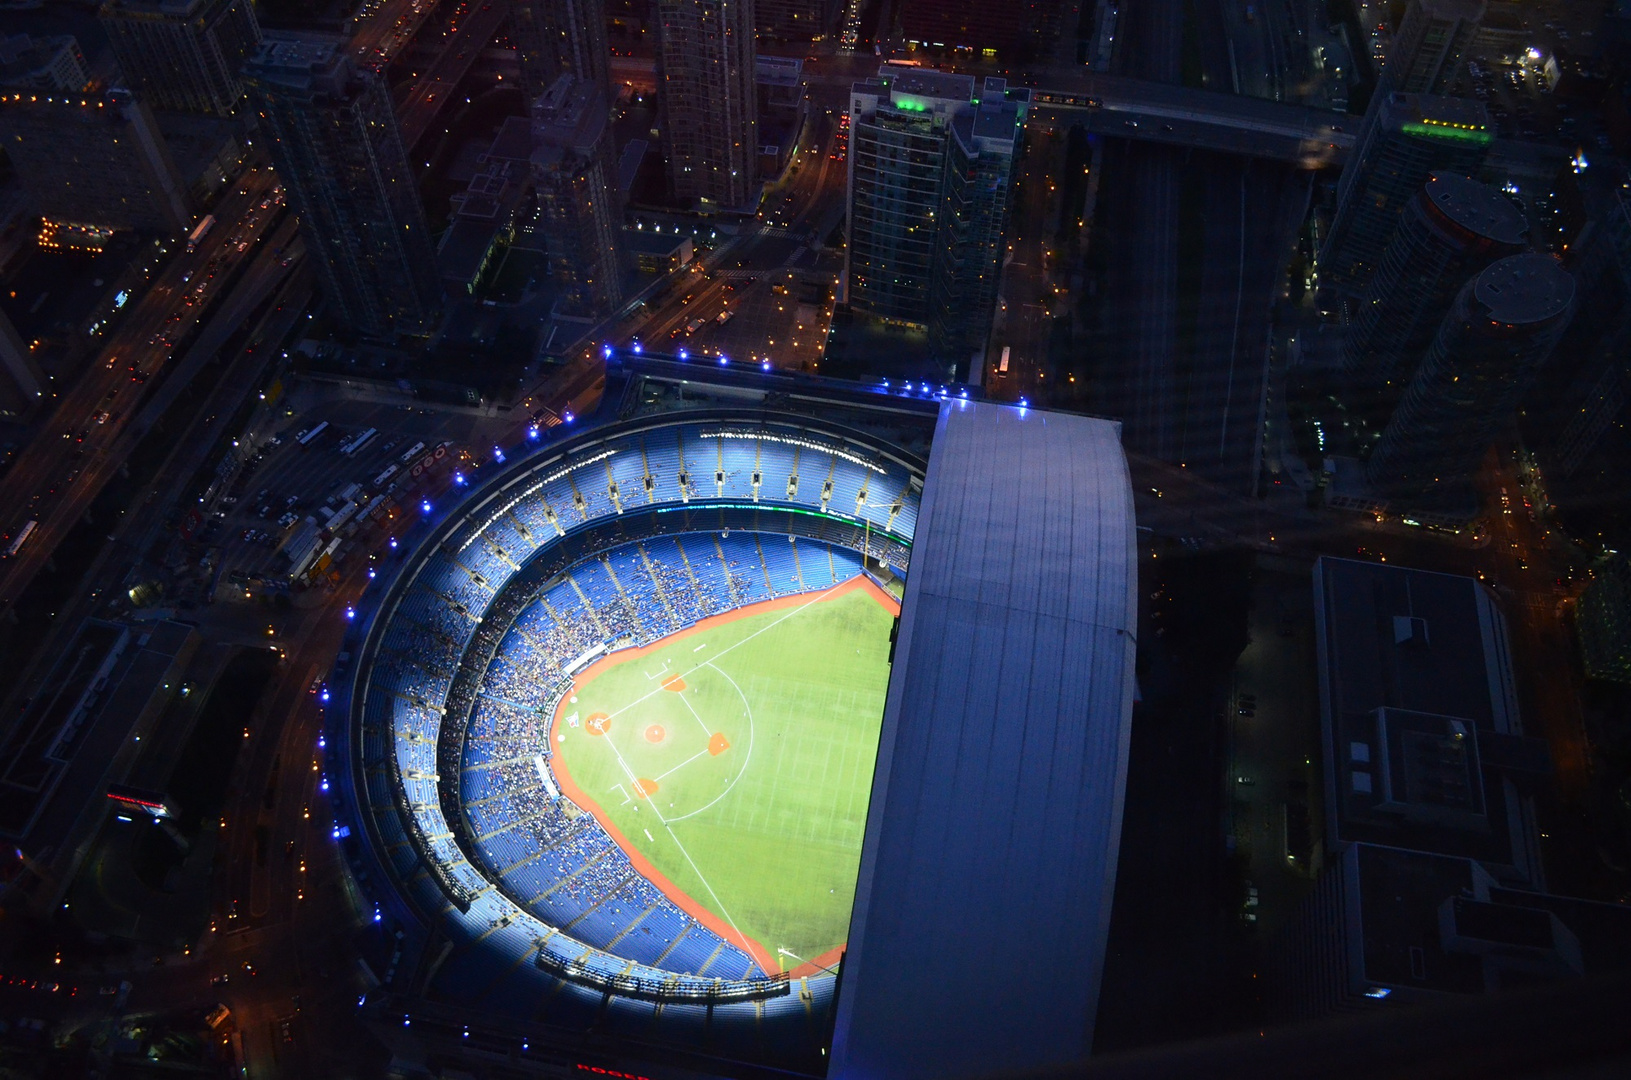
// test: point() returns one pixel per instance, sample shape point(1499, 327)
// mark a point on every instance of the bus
point(201, 230)
point(359, 442)
point(311, 436)
point(411, 452)
point(22, 538)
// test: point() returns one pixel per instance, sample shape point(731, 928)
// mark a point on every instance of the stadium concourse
point(540, 934)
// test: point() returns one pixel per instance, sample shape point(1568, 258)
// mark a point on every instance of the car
point(220, 980)
point(247, 536)
point(100, 416)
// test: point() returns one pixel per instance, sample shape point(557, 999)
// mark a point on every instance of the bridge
point(1181, 116)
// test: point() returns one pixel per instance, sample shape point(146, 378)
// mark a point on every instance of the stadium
point(612, 744)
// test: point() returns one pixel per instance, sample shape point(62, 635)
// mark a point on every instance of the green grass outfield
point(762, 763)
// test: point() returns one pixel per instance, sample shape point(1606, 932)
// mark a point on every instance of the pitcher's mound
point(655, 733)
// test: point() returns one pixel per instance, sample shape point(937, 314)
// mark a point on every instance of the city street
point(55, 479)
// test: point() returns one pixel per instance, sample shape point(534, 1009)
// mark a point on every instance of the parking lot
point(286, 489)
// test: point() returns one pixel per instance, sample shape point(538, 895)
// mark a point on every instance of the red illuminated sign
point(598, 1071)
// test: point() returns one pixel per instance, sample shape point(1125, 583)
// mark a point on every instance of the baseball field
point(733, 763)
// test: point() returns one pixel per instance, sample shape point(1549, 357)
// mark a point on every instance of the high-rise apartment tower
point(1452, 229)
point(573, 175)
point(1405, 138)
point(1426, 53)
point(1502, 327)
point(930, 168)
point(332, 134)
point(561, 37)
point(709, 104)
point(183, 55)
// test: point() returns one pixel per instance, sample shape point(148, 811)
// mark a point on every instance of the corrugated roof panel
point(980, 920)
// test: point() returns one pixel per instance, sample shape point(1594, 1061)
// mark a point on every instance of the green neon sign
point(1451, 134)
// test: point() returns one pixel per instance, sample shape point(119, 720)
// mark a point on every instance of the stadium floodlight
point(606, 352)
point(498, 454)
point(350, 613)
point(532, 432)
point(458, 478)
point(765, 364)
point(424, 505)
point(723, 360)
point(393, 543)
point(637, 348)
point(684, 355)
point(569, 416)
point(370, 574)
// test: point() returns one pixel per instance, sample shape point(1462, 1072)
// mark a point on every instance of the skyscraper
point(795, 20)
point(561, 37)
point(981, 146)
point(705, 84)
point(94, 160)
point(573, 174)
point(1425, 54)
point(183, 54)
point(50, 64)
point(930, 167)
point(332, 134)
point(1450, 230)
point(1405, 138)
point(1489, 348)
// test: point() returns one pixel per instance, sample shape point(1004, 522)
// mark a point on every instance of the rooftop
point(926, 82)
point(1528, 288)
point(1002, 763)
point(1423, 745)
point(1477, 207)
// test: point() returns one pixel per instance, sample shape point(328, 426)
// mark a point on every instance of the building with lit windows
point(1499, 331)
point(331, 131)
point(575, 183)
point(1450, 230)
point(796, 20)
point(183, 55)
point(52, 64)
point(95, 160)
point(1405, 138)
point(930, 169)
point(709, 115)
point(1426, 53)
point(560, 37)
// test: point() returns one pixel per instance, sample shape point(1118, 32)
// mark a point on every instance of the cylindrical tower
point(1451, 229)
point(1503, 325)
